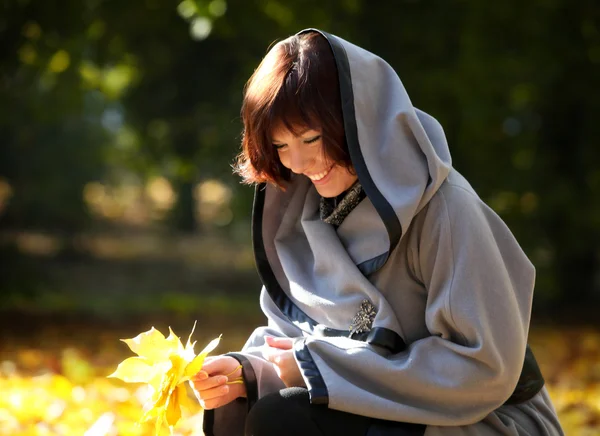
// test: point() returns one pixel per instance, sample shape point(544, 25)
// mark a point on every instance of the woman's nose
point(301, 160)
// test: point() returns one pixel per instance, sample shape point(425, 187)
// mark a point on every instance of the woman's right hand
point(210, 382)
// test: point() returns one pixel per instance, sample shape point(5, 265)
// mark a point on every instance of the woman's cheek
point(283, 159)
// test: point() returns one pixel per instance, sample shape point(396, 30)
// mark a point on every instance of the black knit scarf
point(334, 210)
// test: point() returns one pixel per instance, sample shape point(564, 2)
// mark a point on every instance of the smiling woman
point(398, 302)
point(304, 153)
point(289, 105)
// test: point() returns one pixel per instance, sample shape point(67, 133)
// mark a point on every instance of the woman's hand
point(281, 355)
point(210, 383)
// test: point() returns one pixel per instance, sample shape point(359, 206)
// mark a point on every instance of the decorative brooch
point(363, 320)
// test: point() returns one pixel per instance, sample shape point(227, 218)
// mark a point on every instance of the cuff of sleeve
point(249, 377)
point(208, 422)
point(251, 384)
point(317, 390)
point(226, 420)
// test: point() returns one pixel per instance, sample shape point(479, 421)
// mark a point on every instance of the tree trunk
point(184, 211)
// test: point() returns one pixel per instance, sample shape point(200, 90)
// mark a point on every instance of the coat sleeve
point(479, 289)
point(259, 376)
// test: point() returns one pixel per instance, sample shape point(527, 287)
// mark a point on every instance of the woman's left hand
point(281, 355)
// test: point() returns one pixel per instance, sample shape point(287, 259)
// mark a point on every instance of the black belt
point(530, 381)
point(529, 384)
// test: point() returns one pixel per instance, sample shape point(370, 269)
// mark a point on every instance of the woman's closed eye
point(305, 141)
point(312, 140)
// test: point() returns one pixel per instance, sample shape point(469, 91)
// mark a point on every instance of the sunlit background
point(119, 122)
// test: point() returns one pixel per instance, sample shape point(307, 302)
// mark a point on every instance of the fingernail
point(223, 379)
point(201, 375)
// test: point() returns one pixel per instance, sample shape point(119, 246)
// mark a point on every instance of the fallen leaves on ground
point(64, 390)
point(570, 363)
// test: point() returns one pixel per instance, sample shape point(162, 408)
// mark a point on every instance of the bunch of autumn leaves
point(165, 365)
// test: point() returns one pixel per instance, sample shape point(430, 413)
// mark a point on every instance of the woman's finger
point(210, 394)
point(214, 364)
point(209, 383)
point(281, 343)
point(273, 356)
point(200, 375)
point(212, 404)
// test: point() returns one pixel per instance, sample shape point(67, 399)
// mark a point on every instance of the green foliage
point(154, 87)
point(50, 125)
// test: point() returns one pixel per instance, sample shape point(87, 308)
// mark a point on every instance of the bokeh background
point(119, 121)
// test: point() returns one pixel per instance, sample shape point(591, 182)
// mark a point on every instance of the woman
point(397, 301)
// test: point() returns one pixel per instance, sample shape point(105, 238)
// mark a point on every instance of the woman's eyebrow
point(302, 132)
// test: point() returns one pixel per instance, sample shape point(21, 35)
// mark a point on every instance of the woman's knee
point(279, 413)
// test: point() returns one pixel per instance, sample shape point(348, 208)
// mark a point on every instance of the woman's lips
point(324, 178)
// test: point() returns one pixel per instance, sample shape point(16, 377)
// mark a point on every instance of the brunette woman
point(397, 301)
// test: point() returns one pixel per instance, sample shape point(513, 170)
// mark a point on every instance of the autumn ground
point(53, 373)
point(57, 346)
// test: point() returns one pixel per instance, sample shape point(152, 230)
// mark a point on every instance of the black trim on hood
point(382, 206)
point(265, 272)
point(379, 336)
point(267, 277)
point(317, 389)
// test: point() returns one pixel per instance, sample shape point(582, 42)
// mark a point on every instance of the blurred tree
point(50, 127)
point(156, 86)
point(511, 84)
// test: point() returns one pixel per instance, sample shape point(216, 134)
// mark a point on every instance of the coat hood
point(316, 275)
point(399, 153)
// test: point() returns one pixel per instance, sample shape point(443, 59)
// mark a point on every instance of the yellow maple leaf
point(165, 364)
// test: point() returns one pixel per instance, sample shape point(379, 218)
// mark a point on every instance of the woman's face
point(303, 154)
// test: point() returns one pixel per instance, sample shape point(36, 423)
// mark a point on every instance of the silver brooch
point(363, 320)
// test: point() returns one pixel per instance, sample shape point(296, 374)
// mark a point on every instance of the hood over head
point(399, 153)
point(401, 158)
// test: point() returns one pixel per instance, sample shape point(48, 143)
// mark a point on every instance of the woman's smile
point(303, 153)
point(319, 177)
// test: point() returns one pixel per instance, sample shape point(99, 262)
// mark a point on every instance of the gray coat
point(449, 286)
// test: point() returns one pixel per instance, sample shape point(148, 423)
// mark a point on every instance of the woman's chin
point(327, 191)
point(335, 183)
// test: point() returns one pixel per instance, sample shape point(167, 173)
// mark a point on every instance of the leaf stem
point(238, 380)
point(231, 373)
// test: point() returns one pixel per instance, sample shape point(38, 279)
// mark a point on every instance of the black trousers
point(289, 412)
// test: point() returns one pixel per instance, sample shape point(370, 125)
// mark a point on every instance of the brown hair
point(295, 84)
